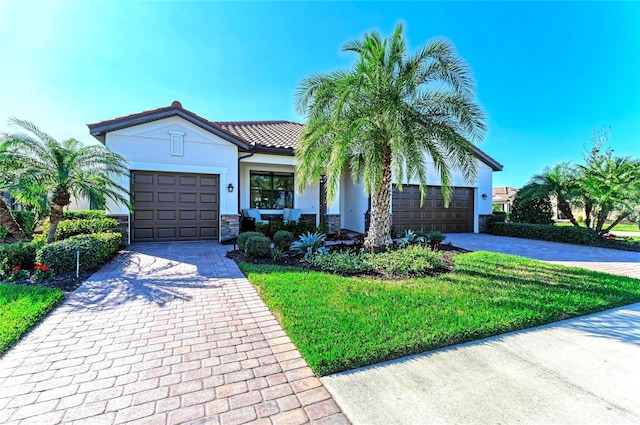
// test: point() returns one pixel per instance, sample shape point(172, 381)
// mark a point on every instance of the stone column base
point(229, 226)
point(333, 222)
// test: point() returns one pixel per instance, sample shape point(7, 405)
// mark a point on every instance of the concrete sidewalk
point(579, 371)
point(167, 334)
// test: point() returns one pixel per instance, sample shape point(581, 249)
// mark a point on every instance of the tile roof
point(503, 193)
point(271, 134)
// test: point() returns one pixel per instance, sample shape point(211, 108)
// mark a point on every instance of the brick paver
point(165, 334)
point(623, 263)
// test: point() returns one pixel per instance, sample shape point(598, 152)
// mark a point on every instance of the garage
point(174, 206)
point(432, 216)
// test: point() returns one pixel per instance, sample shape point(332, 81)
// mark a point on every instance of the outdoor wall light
point(484, 196)
point(230, 188)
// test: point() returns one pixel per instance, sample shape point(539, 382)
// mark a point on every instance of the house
point(191, 178)
point(503, 197)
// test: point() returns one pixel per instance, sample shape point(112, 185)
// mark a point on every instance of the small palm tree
point(61, 169)
point(559, 181)
point(384, 118)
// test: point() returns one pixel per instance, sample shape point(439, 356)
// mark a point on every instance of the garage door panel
point(432, 216)
point(174, 206)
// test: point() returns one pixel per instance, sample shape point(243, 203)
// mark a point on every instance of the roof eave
point(495, 165)
point(99, 130)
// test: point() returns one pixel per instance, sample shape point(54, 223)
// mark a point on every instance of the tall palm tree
point(559, 181)
point(383, 119)
point(62, 169)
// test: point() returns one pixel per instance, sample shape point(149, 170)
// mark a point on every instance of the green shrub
point(83, 214)
point(81, 226)
point(297, 228)
point(408, 261)
point(26, 220)
point(412, 260)
point(535, 210)
point(3, 232)
point(21, 254)
point(258, 247)
point(496, 217)
point(547, 232)
point(95, 250)
point(242, 239)
point(276, 254)
point(283, 239)
point(344, 262)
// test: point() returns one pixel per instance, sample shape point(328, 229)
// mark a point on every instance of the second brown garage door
point(407, 213)
point(174, 206)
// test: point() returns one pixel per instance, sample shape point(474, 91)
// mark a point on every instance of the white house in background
point(191, 178)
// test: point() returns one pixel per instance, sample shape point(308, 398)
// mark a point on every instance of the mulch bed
point(66, 282)
point(295, 259)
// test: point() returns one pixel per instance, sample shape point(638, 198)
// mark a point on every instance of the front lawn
point(21, 307)
point(340, 323)
point(620, 227)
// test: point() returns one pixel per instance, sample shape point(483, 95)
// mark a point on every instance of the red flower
point(44, 268)
point(37, 267)
point(16, 268)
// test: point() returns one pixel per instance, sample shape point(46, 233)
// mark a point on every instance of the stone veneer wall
point(229, 226)
point(333, 222)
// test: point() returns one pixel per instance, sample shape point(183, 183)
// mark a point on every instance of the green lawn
point(341, 323)
point(21, 307)
point(621, 227)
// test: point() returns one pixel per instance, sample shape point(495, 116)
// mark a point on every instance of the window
point(177, 143)
point(271, 190)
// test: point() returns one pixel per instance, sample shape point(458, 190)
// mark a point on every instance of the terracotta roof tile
point(271, 134)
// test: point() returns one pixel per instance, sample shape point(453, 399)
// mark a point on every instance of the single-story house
point(191, 178)
point(503, 197)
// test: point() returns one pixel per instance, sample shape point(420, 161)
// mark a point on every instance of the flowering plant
point(40, 272)
point(17, 274)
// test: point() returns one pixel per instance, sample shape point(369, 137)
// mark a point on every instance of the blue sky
point(547, 73)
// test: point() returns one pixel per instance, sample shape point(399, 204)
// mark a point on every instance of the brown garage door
point(174, 206)
point(407, 213)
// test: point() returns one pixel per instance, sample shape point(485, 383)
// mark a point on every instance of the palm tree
point(382, 119)
point(62, 169)
point(558, 181)
point(611, 184)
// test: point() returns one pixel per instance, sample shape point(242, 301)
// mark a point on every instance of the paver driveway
point(168, 333)
point(612, 261)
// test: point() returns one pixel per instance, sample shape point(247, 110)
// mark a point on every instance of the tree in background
point(559, 181)
point(610, 185)
point(34, 160)
point(384, 117)
point(531, 209)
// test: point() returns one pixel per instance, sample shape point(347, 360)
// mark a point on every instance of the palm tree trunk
point(588, 207)
point(565, 207)
point(379, 234)
point(59, 200)
point(8, 221)
point(601, 218)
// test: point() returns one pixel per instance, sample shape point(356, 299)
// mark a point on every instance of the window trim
point(176, 143)
point(271, 175)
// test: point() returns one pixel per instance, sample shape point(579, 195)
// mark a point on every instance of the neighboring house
point(503, 197)
point(191, 178)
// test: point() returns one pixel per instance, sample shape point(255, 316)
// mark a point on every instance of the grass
point(21, 307)
point(620, 227)
point(340, 323)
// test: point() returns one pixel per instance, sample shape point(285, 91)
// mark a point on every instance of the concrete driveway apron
point(612, 261)
point(166, 334)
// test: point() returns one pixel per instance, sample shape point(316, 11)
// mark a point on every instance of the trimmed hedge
point(95, 250)
point(21, 254)
point(283, 239)
point(26, 220)
point(242, 239)
point(546, 232)
point(258, 247)
point(68, 228)
point(83, 214)
point(3, 232)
